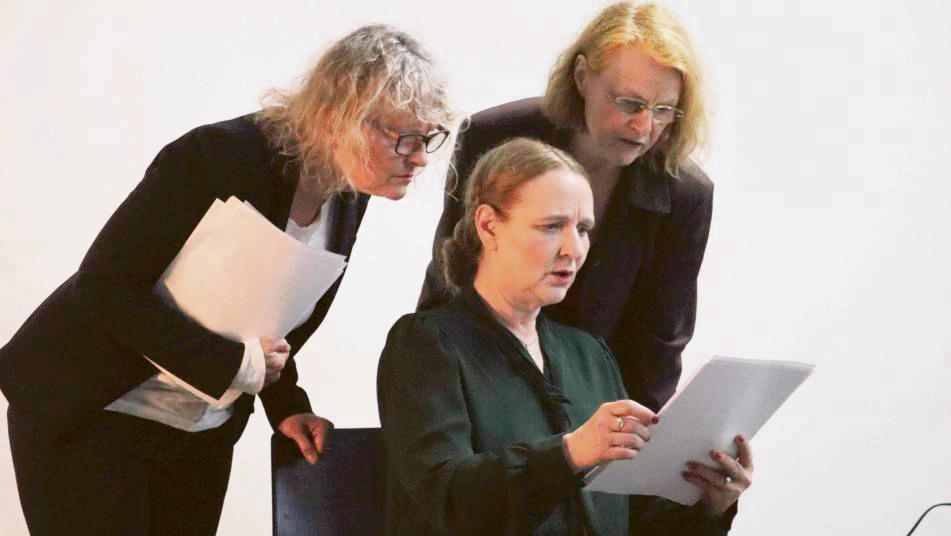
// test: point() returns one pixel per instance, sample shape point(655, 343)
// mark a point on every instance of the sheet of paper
point(725, 397)
point(243, 278)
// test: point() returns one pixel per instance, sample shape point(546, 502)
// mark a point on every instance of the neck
point(604, 175)
point(519, 320)
point(305, 208)
point(584, 151)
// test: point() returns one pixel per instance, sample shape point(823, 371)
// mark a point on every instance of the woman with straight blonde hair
point(491, 412)
point(105, 443)
point(626, 100)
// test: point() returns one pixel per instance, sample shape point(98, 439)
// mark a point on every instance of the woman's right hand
point(276, 352)
point(615, 432)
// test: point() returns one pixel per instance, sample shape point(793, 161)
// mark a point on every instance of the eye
point(631, 106)
point(664, 111)
point(551, 227)
point(584, 230)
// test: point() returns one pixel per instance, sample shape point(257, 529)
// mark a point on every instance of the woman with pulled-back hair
point(626, 99)
point(490, 411)
point(105, 443)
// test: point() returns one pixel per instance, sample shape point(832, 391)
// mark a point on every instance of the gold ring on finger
point(620, 424)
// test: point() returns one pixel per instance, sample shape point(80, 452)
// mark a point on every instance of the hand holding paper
point(243, 278)
point(722, 483)
point(726, 397)
point(615, 432)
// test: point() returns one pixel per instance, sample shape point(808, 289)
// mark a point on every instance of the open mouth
point(563, 276)
point(631, 143)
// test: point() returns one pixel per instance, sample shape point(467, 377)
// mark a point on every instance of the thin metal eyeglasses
point(407, 144)
point(662, 114)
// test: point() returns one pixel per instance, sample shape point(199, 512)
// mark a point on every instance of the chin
point(395, 196)
point(626, 157)
point(393, 193)
point(553, 296)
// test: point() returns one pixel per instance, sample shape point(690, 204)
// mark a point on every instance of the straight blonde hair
point(661, 36)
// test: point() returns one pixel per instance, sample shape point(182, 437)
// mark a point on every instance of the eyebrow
point(402, 129)
point(637, 95)
point(558, 218)
point(662, 102)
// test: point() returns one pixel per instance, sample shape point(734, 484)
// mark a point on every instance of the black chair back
point(341, 495)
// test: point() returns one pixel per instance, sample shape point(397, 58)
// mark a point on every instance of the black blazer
point(83, 347)
point(638, 288)
point(473, 431)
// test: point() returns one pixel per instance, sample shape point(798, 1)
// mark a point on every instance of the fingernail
point(655, 419)
point(739, 439)
point(715, 455)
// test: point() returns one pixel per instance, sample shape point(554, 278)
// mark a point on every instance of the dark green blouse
point(473, 431)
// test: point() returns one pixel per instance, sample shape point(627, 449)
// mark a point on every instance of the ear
point(581, 74)
point(486, 224)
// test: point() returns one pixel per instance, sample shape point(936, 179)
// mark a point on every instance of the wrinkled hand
point(309, 431)
point(615, 432)
point(276, 352)
point(723, 485)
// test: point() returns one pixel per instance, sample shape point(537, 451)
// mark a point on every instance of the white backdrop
point(829, 241)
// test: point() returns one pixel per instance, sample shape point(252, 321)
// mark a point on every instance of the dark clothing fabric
point(122, 475)
point(83, 347)
point(638, 288)
point(473, 430)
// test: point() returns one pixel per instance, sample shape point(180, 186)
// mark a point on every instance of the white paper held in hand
point(724, 398)
point(243, 278)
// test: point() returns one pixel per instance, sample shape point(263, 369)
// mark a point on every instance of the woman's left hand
point(722, 485)
point(309, 432)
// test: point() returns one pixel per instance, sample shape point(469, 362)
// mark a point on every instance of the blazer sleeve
point(659, 319)
point(284, 397)
point(427, 433)
point(115, 279)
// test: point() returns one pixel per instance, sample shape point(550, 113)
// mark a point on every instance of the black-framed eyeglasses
point(662, 114)
point(407, 144)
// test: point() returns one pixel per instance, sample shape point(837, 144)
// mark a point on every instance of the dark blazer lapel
point(284, 167)
point(619, 252)
point(346, 213)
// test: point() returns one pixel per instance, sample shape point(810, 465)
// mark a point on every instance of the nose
point(641, 122)
point(574, 245)
point(419, 157)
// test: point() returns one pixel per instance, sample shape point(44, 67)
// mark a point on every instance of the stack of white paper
point(241, 277)
point(724, 398)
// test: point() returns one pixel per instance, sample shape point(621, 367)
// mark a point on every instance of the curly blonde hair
point(661, 36)
point(371, 72)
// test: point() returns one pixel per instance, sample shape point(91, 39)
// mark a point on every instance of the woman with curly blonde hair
point(626, 100)
point(105, 443)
